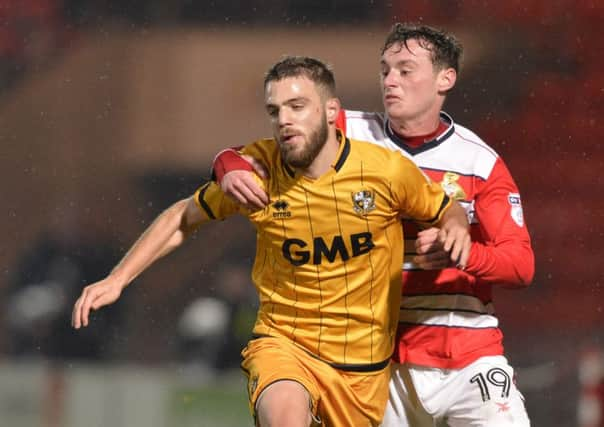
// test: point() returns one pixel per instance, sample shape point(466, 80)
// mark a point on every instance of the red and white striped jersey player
point(449, 367)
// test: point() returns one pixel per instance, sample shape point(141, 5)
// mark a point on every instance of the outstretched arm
point(167, 232)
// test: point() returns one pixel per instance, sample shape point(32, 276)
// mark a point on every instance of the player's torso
point(327, 260)
point(459, 162)
point(441, 308)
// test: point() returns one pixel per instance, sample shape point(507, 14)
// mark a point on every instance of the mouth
point(288, 137)
point(389, 98)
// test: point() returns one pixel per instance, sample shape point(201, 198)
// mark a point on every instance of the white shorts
point(481, 394)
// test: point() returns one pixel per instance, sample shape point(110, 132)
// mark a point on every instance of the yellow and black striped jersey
point(329, 250)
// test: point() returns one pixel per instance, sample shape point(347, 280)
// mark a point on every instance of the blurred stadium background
point(111, 110)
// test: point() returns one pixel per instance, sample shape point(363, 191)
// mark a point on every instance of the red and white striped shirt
point(447, 318)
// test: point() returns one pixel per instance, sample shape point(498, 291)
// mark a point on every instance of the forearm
point(169, 230)
point(454, 234)
point(228, 160)
point(454, 216)
point(509, 264)
point(503, 255)
point(166, 233)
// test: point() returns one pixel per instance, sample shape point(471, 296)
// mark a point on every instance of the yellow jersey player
point(328, 256)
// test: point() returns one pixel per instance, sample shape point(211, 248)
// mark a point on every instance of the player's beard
point(302, 159)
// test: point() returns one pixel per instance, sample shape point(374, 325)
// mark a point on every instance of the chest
point(341, 213)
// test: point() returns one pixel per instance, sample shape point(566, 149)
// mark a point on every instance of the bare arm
point(166, 233)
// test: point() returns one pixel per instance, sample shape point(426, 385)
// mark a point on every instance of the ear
point(332, 109)
point(446, 79)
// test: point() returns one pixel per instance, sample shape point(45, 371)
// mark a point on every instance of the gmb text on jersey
point(298, 252)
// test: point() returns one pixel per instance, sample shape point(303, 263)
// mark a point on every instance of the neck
point(415, 127)
point(326, 157)
point(425, 121)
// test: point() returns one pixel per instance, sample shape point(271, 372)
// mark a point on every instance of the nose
point(388, 79)
point(284, 117)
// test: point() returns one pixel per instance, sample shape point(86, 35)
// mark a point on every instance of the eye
point(272, 111)
point(297, 107)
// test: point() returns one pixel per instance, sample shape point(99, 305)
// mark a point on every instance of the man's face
point(409, 82)
point(297, 116)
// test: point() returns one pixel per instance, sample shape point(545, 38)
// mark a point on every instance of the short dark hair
point(446, 50)
point(311, 68)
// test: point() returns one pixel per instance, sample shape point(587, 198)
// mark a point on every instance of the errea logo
point(281, 209)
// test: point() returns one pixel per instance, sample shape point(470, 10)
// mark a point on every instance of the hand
point(241, 186)
point(455, 239)
point(93, 297)
point(431, 254)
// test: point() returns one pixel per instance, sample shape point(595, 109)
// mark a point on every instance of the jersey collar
point(426, 145)
point(343, 154)
point(344, 150)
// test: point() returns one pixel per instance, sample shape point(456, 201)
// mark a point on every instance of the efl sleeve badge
point(516, 209)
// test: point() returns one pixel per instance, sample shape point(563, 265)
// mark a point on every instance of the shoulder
point(366, 126)
point(470, 152)
point(370, 153)
point(471, 142)
point(363, 146)
point(366, 118)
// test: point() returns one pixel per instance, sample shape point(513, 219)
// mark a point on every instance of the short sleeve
point(415, 195)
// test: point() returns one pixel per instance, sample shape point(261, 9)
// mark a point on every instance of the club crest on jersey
point(452, 188)
point(363, 202)
point(281, 208)
point(516, 208)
